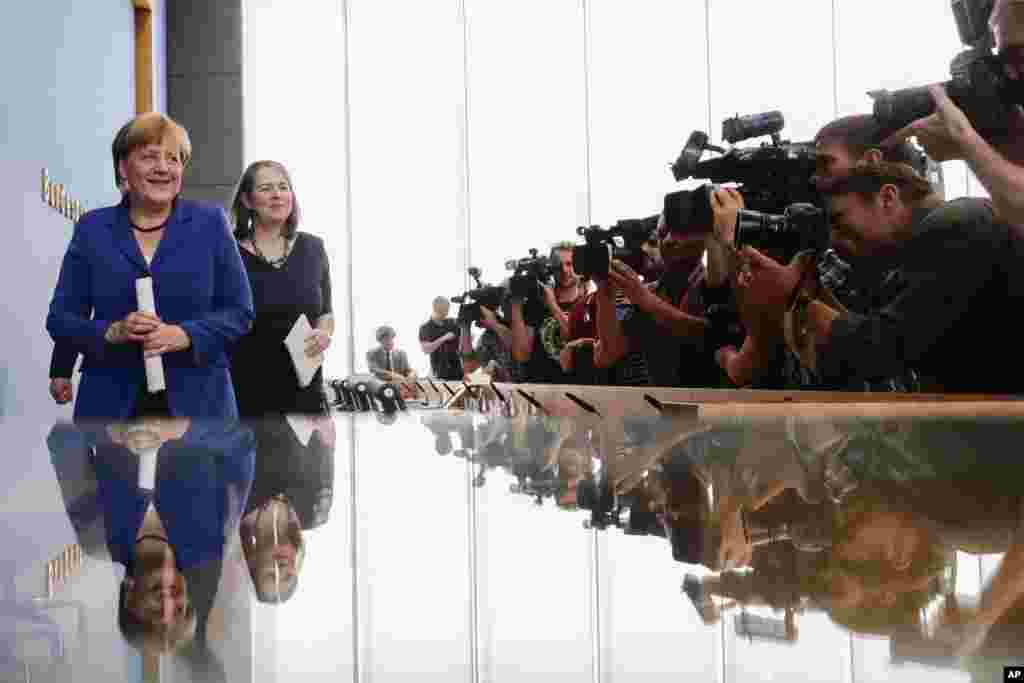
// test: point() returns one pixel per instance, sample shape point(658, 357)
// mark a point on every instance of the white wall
point(468, 131)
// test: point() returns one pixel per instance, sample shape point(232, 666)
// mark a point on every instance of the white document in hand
point(295, 342)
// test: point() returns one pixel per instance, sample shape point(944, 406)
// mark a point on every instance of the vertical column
point(143, 56)
point(204, 91)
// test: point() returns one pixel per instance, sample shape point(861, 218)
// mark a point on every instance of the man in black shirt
point(439, 338)
point(958, 263)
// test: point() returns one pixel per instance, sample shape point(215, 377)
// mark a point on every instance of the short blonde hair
point(151, 128)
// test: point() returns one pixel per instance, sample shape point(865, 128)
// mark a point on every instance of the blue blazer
point(199, 283)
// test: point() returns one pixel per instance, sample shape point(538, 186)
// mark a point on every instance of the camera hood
point(686, 165)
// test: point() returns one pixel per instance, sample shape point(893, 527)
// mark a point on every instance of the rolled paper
point(147, 304)
point(147, 469)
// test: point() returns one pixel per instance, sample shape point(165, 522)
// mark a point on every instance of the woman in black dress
point(289, 274)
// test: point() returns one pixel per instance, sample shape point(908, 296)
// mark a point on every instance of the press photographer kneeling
point(956, 261)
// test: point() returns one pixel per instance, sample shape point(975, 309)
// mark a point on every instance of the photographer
point(534, 344)
point(665, 320)
point(579, 357)
point(948, 135)
point(493, 350)
point(956, 260)
point(839, 147)
point(439, 340)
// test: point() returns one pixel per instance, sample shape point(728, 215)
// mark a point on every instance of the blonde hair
point(151, 128)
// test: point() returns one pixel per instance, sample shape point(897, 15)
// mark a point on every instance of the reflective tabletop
point(701, 542)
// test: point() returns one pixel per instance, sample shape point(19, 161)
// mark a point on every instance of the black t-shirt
point(444, 361)
point(543, 366)
point(950, 321)
point(674, 361)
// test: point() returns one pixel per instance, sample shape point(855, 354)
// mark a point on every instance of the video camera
point(771, 176)
point(979, 85)
point(799, 228)
point(528, 274)
point(623, 241)
point(470, 302)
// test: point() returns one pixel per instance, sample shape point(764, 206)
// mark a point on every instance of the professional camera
point(801, 227)
point(528, 275)
point(979, 85)
point(771, 176)
point(623, 241)
point(470, 302)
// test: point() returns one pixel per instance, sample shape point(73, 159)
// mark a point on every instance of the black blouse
point(261, 368)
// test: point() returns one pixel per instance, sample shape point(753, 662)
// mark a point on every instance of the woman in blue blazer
point(203, 299)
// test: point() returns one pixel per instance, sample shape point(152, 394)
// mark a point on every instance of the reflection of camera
point(482, 295)
point(978, 86)
point(596, 496)
point(800, 228)
point(623, 241)
point(772, 176)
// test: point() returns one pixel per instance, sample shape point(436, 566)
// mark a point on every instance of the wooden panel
point(143, 58)
point(610, 402)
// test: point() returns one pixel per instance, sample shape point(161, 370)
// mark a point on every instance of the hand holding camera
point(944, 134)
point(763, 293)
point(726, 203)
point(625, 278)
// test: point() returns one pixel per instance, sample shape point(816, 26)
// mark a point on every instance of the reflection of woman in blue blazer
point(203, 300)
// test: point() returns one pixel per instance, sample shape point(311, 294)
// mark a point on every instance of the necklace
point(277, 262)
point(159, 227)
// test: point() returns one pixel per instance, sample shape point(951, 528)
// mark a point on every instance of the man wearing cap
point(665, 321)
point(948, 135)
point(385, 361)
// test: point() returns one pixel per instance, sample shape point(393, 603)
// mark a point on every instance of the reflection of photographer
point(989, 91)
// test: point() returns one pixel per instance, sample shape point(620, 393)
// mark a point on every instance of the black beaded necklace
point(277, 262)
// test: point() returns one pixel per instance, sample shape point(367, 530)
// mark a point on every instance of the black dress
point(261, 368)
